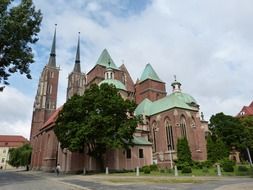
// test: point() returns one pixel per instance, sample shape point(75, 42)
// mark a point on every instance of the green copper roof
point(143, 108)
point(116, 83)
point(141, 141)
point(149, 73)
point(104, 60)
point(174, 100)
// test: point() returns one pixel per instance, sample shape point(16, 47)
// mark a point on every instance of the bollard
point(106, 171)
point(84, 171)
point(218, 170)
point(137, 171)
point(176, 172)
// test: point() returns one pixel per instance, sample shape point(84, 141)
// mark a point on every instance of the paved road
point(20, 181)
point(43, 181)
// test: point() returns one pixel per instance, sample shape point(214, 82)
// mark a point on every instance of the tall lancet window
point(169, 134)
point(183, 126)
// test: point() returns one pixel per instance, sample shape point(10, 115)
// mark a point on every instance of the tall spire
point(52, 58)
point(77, 67)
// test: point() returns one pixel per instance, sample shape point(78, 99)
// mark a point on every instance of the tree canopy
point(19, 26)
point(20, 156)
point(229, 129)
point(216, 149)
point(97, 121)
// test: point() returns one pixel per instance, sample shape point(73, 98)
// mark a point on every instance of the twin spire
point(52, 58)
point(77, 67)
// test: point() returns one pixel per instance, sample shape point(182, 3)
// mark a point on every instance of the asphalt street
point(42, 181)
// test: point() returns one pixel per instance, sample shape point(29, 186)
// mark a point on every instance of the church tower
point(46, 97)
point(149, 86)
point(76, 79)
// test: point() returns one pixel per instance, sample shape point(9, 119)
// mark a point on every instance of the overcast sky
point(207, 44)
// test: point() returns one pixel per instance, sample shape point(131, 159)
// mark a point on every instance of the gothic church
point(167, 117)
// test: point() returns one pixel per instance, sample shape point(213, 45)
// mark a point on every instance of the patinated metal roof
point(149, 73)
point(104, 60)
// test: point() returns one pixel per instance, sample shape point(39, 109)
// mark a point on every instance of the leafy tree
point(20, 156)
point(183, 153)
point(97, 121)
point(216, 149)
point(247, 123)
point(229, 129)
point(19, 25)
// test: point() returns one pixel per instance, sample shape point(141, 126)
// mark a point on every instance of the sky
point(207, 44)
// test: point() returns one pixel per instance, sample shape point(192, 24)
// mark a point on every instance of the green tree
point(183, 153)
point(19, 26)
point(20, 156)
point(229, 130)
point(216, 149)
point(97, 121)
point(247, 123)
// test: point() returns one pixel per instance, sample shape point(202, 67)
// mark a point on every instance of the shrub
point(146, 170)
point(242, 169)
point(186, 169)
point(207, 164)
point(198, 165)
point(162, 171)
point(153, 167)
point(227, 165)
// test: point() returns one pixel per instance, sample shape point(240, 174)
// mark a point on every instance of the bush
point(162, 171)
point(227, 165)
point(146, 170)
point(153, 167)
point(207, 164)
point(198, 165)
point(242, 169)
point(186, 169)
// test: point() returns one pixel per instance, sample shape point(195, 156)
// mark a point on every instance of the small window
point(2, 160)
point(52, 74)
point(128, 153)
point(141, 155)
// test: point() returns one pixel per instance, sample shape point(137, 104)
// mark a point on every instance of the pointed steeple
point(77, 67)
point(52, 58)
point(103, 60)
point(149, 73)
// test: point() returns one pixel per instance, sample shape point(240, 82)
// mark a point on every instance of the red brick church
point(166, 117)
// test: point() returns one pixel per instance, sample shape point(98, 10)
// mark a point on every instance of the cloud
point(207, 44)
point(15, 112)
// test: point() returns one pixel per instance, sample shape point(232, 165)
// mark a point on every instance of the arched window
point(169, 134)
point(154, 130)
point(193, 123)
point(183, 126)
